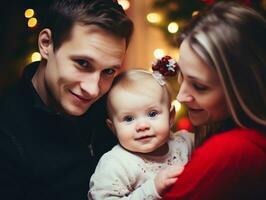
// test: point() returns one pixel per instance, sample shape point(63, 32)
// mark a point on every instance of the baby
point(149, 157)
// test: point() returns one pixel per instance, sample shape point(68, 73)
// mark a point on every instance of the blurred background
point(157, 23)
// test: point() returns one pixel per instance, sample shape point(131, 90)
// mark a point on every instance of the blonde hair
point(140, 81)
point(231, 38)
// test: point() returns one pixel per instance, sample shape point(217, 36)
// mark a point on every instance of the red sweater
point(229, 165)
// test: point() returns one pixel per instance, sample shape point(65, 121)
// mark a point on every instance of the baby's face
point(141, 120)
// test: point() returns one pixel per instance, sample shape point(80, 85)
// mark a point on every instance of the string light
point(195, 13)
point(36, 56)
point(158, 53)
point(173, 27)
point(32, 22)
point(154, 18)
point(29, 13)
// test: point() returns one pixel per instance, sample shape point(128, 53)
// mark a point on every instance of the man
point(49, 143)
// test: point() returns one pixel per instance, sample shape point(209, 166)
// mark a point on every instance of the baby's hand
point(167, 177)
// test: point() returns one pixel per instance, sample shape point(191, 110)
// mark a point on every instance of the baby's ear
point(172, 116)
point(110, 125)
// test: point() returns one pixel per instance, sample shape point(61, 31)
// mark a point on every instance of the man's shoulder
point(14, 106)
point(19, 92)
point(9, 99)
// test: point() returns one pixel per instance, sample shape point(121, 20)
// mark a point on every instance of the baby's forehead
point(128, 101)
point(147, 88)
point(136, 94)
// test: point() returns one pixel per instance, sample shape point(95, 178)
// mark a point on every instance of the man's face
point(82, 69)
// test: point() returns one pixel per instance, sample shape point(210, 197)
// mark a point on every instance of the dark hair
point(231, 39)
point(107, 14)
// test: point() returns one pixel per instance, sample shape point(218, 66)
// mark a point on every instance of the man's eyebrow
point(85, 57)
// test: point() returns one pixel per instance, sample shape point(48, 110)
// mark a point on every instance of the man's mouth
point(81, 98)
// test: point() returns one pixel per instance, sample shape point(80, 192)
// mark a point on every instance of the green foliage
point(180, 11)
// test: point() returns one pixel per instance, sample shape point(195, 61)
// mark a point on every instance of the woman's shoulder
point(239, 136)
point(236, 143)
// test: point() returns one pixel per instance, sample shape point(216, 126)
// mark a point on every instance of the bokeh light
point(154, 18)
point(29, 13)
point(32, 22)
point(36, 56)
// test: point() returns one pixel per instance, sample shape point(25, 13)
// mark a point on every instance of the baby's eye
point(128, 118)
point(153, 113)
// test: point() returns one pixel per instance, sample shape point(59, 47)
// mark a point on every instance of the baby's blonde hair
point(139, 81)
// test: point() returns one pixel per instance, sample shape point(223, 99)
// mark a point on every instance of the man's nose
point(91, 84)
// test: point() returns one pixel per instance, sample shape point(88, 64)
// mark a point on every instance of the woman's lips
point(194, 110)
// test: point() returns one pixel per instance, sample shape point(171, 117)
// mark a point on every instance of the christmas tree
point(180, 12)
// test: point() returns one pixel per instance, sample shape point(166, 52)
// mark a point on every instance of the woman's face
point(200, 89)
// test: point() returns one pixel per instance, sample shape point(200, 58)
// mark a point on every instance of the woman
point(223, 85)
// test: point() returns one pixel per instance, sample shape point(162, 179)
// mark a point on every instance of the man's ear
point(45, 42)
point(110, 125)
point(172, 116)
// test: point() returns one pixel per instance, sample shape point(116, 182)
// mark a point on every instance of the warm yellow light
point(36, 56)
point(173, 27)
point(32, 22)
point(176, 105)
point(124, 3)
point(29, 13)
point(195, 13)
point(158, 53)
point(154, 18)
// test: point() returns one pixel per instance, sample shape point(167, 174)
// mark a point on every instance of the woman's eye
point(128, 118)
point(199, 87)
point(153, 113)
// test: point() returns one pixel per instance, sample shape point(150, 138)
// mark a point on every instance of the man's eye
point(109, 71)
point(128, 118)
point(153, 113)
point(83, 63)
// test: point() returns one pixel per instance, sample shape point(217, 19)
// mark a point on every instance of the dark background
point(17, 40)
